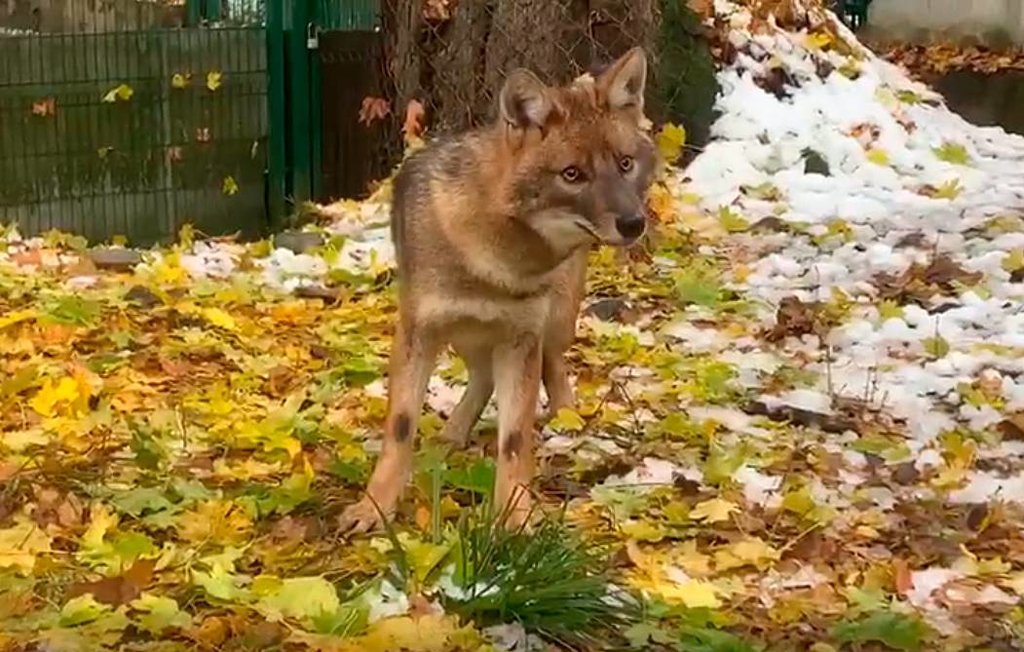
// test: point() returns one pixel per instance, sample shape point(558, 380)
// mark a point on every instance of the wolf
point(491, 231)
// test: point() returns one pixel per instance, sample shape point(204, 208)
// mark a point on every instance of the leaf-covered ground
point(798, 421)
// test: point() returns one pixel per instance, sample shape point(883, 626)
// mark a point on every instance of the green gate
point(297, 32)
point(134, 117)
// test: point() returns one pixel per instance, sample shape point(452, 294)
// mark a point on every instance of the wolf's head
point(579, 159)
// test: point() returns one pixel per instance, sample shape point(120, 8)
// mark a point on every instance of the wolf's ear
point(622, 83)
point(525, 100)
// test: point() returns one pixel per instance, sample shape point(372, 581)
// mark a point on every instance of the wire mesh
point(117, 119)
point(452, 55)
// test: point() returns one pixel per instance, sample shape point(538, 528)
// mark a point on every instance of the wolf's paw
point(360, 518)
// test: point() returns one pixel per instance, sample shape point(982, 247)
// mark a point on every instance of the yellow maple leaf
point(229, 187)
point(878, 156)
point(215, 521)
point(713, 511)
point(169, 270)
point(51, 395)
point(179, 80)
point(671, 140)
point(433, 633)
point(101, 521)
point(751, 551)
point(692, 560)
point(693, 594)
point(567, 420)
point(19, 545)
point(219, 318)
point(214, 79)
point(818, 40)
point(122, 92)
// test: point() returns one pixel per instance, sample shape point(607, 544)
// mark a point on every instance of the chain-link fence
point(132, 117)
point(452, 55)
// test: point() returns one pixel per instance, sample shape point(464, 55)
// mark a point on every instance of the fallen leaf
point(214, 80)
point(44, 107)
point(670, 141)
point(21, 545)
point(159, 614)
point(121, 92)
point(414, 124)
point(373, 109)
point(713, 511)
point(118, 590)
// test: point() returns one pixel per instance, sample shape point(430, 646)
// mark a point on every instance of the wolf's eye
point(572, 174)
point(626, 163)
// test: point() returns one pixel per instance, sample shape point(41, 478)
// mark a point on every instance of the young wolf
point(491, 231)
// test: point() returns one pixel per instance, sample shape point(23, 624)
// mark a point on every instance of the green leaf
point(732, 222)
point(73, 310)
point(909, 97)
point(159, 614)
point(722, 463)
point(135, 502)
point(641, 635)
point(898, 631)
point(81, 610)
point(478, 477)
point(300, 598)
point(954, 153)
point(697, 286)
point(702, 639)
point(937, 346)
point(890, 310)
point(220, 583)
point(622, 502)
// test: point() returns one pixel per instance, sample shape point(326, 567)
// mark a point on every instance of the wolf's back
point(444, 166)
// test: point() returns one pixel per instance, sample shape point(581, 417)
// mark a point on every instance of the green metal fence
point(134, 120)
point(133, 117)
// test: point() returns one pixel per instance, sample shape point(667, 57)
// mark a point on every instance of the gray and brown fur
point(491, 231)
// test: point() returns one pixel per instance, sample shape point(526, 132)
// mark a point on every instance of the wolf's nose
point(630, 226)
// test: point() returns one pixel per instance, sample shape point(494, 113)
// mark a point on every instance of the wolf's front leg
point(517, 371)
point(413, 356)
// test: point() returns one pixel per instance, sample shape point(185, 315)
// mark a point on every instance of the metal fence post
point(193, 12)
point(277, 111)
point(297, 18)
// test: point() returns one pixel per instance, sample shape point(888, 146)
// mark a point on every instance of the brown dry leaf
point(438, 10)
point(44, 107)
point(1012, 427)
point(796, 318)
point(703, 8)
point(940, 58)
point(118, 590)
point(211, 633)
point(919, 283)
point(373, 109)
point(415, 116)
